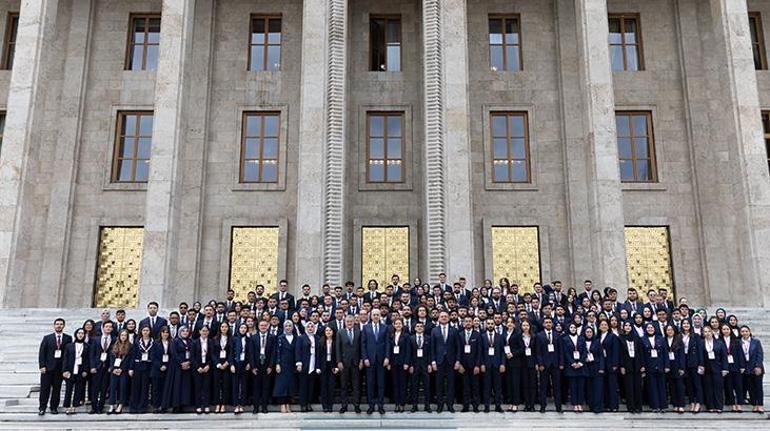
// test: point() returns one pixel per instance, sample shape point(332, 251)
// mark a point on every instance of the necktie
point(376, 330)
point(58, 341)
point(105, 343)
point(549, 336)
point(350, 336)
point(152, 322)
point(467, 336)
point(419, 341)
point(443, 332)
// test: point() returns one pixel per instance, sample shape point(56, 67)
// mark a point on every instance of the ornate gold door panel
point(384, 252)
point(253, 260)
point(516, 255)
point(118, 267)
point(648, 256)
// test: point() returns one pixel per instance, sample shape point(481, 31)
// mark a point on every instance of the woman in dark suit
point(677, 366)
point(656, 366)
point(119, 358)
point(514, 354)
point(202, 365)
point(139, 370)
point(611, 355)
point(715, 364)
point(285, 379)
point(76, 366)
point(328, 358)
point(222, 376)
point(161, 354)
point(178, 390)
point(692, 346)
point(239, 367)
point(528, 376)
point(574, 357)
point(734, 393)
point(594, 370)
point(751, 350)
point(397, 354)
point(631, 367)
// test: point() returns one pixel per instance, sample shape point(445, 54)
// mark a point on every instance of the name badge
point(78, 361)
point(57, 353)
point(551, 348)
point(711, 355)
point(491, 351)
point(604, 353)
point(528, 351)
point(670, 356)
point(117, 362)
point(575, 355)
point(145, 357)
point(467, 348)
point(730, 359)
point(328, 357)
point(654, 353)
point(222, 354)
point(590, 357)
point(419, 353)
point(262, 351)
point(396, 350)
point(187, 355)
point(631, 354)
point(747, 357)
point(164, 359)
point(242, 356)
point(507, 350)
point(103, 356)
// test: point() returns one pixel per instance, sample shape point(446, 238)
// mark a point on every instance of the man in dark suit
point(99, 352)
point(373, 353)
point(283, 294)
point(588, 287)
point(420, 366)
point(549, 363)
point(51, 364)
point(152, 320)
point(470, 364)
point(557, 296)
point(261, 359)
point(444, 347)
point(230, 301)
point(208, 321)
point(492, 358)
point(339, 320)
point(347, 344)
point(307, 350)
point(632, 304)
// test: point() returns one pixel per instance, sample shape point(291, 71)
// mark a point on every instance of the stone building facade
point(310, 81)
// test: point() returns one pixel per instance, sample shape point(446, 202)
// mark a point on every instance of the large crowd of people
point(421, 346)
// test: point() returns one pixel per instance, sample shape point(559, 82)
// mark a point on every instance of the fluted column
point(25, 112)
point(162, 210)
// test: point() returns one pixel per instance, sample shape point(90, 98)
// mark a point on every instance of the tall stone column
point(162, 212)
point(25, 112)
point(594, 199)
point(448, 210)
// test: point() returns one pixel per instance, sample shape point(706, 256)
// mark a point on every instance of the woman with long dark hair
point(751, 349)
point(631, 367)
point(677, 365)
point(161, 354)
point(715, 364)
point(734, 392)
point(178, 390)
point(692, 346)
point(139, 370)
point(119, 358)
point(239, 367)
point(222, 375)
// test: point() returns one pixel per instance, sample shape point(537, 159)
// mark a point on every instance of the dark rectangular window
point(2, 130)
point(133, 145)
point(636, 147)
point(385, 147)
point(766, 130)
point(9, 47)
point(757, 41)
point(143, 42)
point(626, 42)
point(259, 147)
point(504, 43)
point(510, 147)
point(385, 42)
point(265, 43)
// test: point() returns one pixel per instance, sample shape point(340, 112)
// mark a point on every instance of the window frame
point(146, 16)
point(385, 115)
point(119, 135)
point(9, 44)
point(639, 44)
point(387, 18)
point(266, 18)
point(509, 160)
point(755, 18)
point(505, 17)
point(650, 147)
point(261, 139)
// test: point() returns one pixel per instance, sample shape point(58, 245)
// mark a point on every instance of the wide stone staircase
point(22, 329)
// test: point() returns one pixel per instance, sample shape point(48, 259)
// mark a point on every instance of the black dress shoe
point(558, 410)
point(255, 410)
point(310, 408)
point(498, 409)
point(370, 410)
point(428, 409)
point(476, 409)
point(439, 409)
point(303, 409)
point(465, 409)
point(381, 410)
point(41, 413)
point(414, 409)
point(542, 409)
point(357, 409)
point(450, 409)
point(54, 411)
point(264, 409)
point(343, 409)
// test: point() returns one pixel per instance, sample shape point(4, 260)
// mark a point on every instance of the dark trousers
point(50, 387)
point(550, 376)
point(202, 391)
point(594, 388)
point(492, 386)
point(100, 382)
point(157, 384)
point(713, 391)
point(375, 385)
point(76, 385)
point(528, 386)
point(632, 384)
point(351, 386)
point(420, 378)
point(222, 383)
point(306, 387)
point(577, 390)
point(694, 385)
point(734, 388)
point(399, 384)
point(445, 384)
point(240, 388)
point(470, 388)
point(140, 391)
point(753, 383)
point(656, 390)
point(327, 387)
point(676, 388)
point(261, 388)
point(611, 396)
point(119, 388)
point(513, 385)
